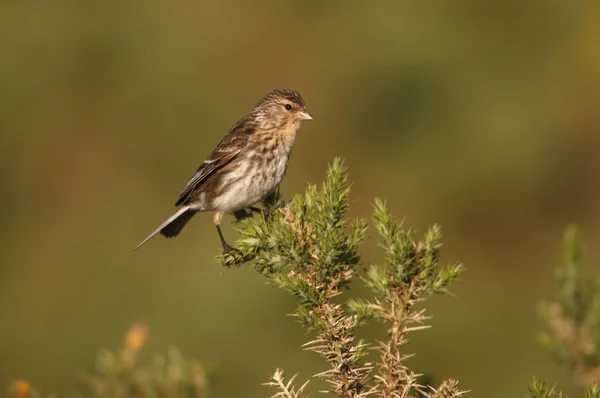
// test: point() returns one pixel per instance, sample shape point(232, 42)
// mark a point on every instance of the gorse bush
point(309, 248)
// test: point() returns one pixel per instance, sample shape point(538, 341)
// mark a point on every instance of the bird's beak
point(303, 115)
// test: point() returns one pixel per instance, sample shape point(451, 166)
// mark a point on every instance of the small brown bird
point(246, 166)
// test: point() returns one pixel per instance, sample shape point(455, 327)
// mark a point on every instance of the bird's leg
point(226, 247)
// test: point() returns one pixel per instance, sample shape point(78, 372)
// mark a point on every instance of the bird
point(247, 165)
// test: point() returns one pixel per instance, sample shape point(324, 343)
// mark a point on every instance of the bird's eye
point(288, 107)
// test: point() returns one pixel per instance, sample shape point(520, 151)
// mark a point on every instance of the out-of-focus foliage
point(119, 374)
point(573, 318)
point(538, 389)
point(478, 115)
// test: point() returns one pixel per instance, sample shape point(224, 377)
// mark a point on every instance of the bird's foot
point(227, 249)
point(231, 256)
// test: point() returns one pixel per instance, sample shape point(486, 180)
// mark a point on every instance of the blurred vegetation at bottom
point(121, 373)
point(572, 321)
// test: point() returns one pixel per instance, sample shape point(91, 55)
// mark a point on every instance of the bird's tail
point(173, 225)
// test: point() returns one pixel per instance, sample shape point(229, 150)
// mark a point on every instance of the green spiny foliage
point(412, 268)
point(592, 392)
point(411, 271)
point(409, 261)
point(306, 240)
point(308, 248)
point(538, 389)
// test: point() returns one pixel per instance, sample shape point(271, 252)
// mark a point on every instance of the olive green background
point(482, 116)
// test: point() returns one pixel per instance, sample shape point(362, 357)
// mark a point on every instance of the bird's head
point(281, 108)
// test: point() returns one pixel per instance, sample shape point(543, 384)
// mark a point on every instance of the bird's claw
point(231, 256)
point(227, 249)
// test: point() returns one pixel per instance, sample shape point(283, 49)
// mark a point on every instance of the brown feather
point(231, 145)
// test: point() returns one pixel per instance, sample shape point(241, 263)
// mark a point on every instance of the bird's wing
point(229, 147)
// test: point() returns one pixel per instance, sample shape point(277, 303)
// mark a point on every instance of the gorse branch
point(304, 249)
point(412, 262)
point(308, 248)
point(538, 389)
point(285, 390)
point(411, 271)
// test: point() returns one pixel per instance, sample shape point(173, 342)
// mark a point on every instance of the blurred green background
point(482, 116)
